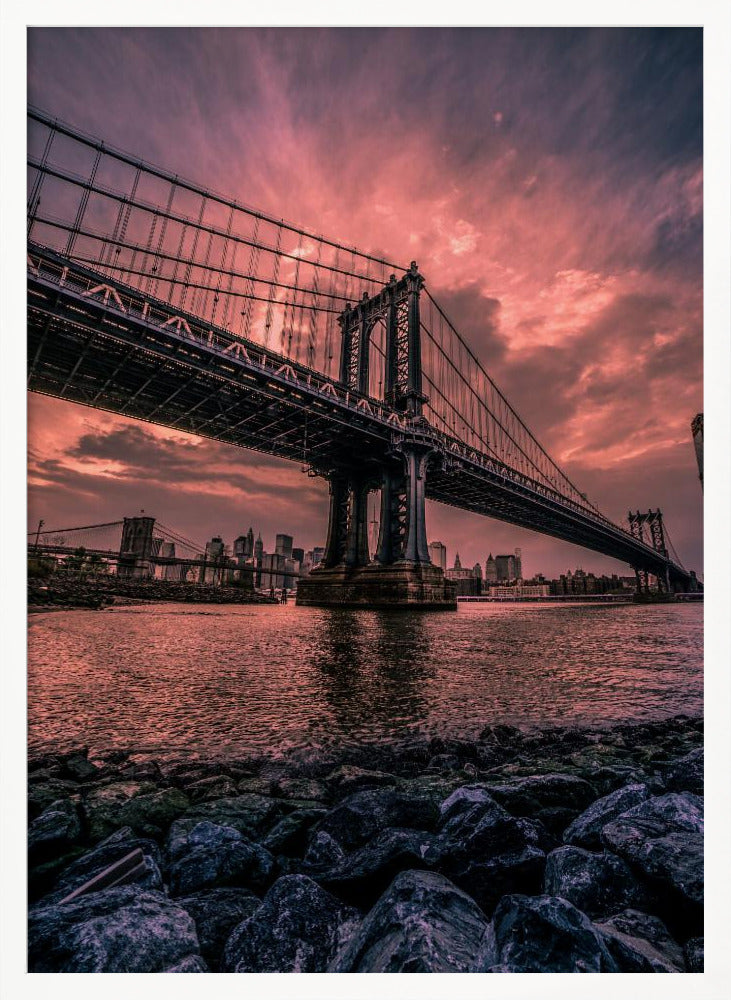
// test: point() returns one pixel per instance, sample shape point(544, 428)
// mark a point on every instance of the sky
point(548, 182)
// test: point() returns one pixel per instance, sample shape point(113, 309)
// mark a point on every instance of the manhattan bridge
point(152, 297)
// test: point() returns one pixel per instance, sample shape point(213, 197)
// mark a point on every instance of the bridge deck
point(97, 342)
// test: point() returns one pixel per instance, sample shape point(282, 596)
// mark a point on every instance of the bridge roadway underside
point(85, 351)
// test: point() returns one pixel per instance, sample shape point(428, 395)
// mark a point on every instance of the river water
point(234, 680)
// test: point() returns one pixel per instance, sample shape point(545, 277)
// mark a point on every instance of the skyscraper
point(490, 570)
point(283, 546)
point(258, 548)
point(438, 554)
point(518, 564)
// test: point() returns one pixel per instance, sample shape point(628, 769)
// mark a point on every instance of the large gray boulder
point(686, 774)
point(586, 829)
point(216, 913)
point(218, 856)
point(597, 884)
point(363, 875)
point(542, 934)
point(297, 928)
point(484, 850)
point(663, 839)
point(639, 942)
point(118, 930)
point(530, 795)
point(363, 814)
point(56, 830)
point(422, 923)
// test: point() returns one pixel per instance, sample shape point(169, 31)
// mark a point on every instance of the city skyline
point(560, 228)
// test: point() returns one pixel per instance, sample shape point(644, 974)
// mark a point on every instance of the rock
point(641, 943)
point(361, 877)
point(102, 806)
point(348, 778)
point(106, 853)
point(527, 796)
point(663, 839)
point(54, 831)
point(193, 963)
point(694, 954)
point(250, 814)
point(502, 736)
point(217, 786)
point(585, 831)
point(297, 928)
point(686, 774)
point(542, 934)
point(44, 794)
point(484, 850)
point(422, 923)
point(324, 852)
point(216, 912)
point(289, 835)
point(217, 856)
point(118, 930)
point(634, 923)
point(151, 814)
point(78, 767)
point(300, 788)
point(597, 884)
point(362, 815)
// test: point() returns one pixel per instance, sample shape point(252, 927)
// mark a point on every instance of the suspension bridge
point(153, 297)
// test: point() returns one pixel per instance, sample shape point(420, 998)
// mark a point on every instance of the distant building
point(490, 570)
point(466, 583)
point(298, 555)
point(520, 591)
point(244, 547)
point(258, 548)
point(214, 558)
point(697, 429)
point(438, 554)
point(505, 568)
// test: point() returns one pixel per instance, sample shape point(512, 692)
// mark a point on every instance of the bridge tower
point(654, 523)
point(136, 548)
point(401, 572)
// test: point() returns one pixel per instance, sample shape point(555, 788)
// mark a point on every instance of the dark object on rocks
point(362, 815)
point(686, 774)
point(484, 850)
point(597, 884)
point(663, 839)
point(297, 928)
point(130, 868)
point(641, 943)
point(362, 876)
point(216, 912)
point(120, 930)
point(502, 736)
point(106, 854)
point(585, 831)
point(694, 954)
point(422, 923)
point(542, 934)
point(218, 856)
point(54, 831)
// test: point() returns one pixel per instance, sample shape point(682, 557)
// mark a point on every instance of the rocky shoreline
point(563, 851)
point(60, 594)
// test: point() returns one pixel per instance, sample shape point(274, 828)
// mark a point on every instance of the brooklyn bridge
point(152, 297)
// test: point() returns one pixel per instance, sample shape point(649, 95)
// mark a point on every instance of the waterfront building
point(438, 554)
point(490, 570)
point(520, 591)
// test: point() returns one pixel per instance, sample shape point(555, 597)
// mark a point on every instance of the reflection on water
point(228, 680)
